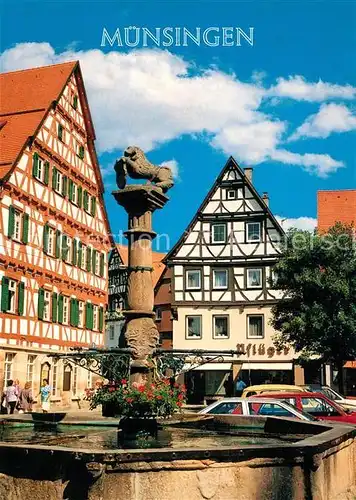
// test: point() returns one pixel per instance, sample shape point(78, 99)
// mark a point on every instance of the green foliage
point(317, 274)
point(160, 399)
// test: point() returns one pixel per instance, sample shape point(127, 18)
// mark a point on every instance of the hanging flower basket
point(150, 400)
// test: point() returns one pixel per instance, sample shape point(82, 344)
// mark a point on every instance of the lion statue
point(135, 165)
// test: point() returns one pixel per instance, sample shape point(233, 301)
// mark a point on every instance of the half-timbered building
point(54, 230)
point(222, 274)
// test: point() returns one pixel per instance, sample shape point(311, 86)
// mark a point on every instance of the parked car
point(349, 403)
point(316, 404)
point(259, 389)
point(252, 406)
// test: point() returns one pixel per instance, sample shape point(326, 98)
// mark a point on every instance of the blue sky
point(285, 105)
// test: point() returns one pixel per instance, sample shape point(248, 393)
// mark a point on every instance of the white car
point(255, 406)
point(348, 403)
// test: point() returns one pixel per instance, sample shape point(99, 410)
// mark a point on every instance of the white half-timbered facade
point(222, 275)
point(54, 230)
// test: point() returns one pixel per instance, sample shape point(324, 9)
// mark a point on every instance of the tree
point(317, 316)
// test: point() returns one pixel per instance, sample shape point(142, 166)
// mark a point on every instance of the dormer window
point(231, 194)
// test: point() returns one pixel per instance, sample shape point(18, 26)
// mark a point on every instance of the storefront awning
point(209, 366)
point(267, 366)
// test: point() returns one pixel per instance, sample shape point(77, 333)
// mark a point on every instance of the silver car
point(255, 406)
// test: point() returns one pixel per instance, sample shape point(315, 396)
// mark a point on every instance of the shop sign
point(261, 350)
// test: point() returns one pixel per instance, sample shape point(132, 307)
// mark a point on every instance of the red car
point(316, 404)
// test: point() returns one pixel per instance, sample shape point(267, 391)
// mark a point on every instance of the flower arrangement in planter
point(159, 399)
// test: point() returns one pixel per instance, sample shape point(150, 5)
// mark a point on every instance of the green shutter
point(64, 185)
point(76, 314)
point(64, 247)
point(91, 316)
point(86, 200)
point(54, 307)
point(54, 177)
point(80, 196)
point(11, 226)
point(81, 152)
point(40, 303)
point(58, 243)
point(35, 165)
point(45, 238)
point(93, 259)
point(70, 190)
point(46, 172)
point(25, 225)
point(101, 319)
point(88, 259)
point(74, 255)
point(80, 245)
point(87, 315)
point(4, 293)
point(93, 206)
point(60, 132)
point(102, 263)
point(60, 309)
point(75, 102)
point(21, 298)
point(72, 312)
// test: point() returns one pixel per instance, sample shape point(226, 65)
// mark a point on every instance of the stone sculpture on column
point(140, 201)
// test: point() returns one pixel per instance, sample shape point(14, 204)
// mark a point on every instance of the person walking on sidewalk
point(25, 399)
point(11, 396)
point(45, 393)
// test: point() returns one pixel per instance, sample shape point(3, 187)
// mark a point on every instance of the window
point(193, 327)
point(218, 233)
point(67, 247)
point(55, 377)
point(18, 225)
point(49, 240)
point(220, 327)
point(111, 332)
point(319, 407)
point(80, 151)
point(254, 278)
point(73, 192)
point(231, 194)
point(11, 305)
point(86, 201)
point(193, 279)
point(255, 326)
point(60, 132)
point(47, 306)
point(40, 168)
point(227, 408)
point(12, 296)
point(31, 358)
point(9, 359)
point(81, 314)
point(75, 381)
point(65, 310)
point(95, 318)
point(75, 101)
point(158, 314)
point(57, 181)
point(220, 279)
point(83, 258)
point(270, 409)
point(253, 231)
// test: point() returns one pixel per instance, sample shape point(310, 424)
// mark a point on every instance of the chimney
point(265, 198)
point(248, 173)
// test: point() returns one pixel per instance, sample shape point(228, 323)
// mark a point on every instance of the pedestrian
point(11, 397)
point(17, 387)
point(25, 399)
point(45, 393)
point(229, 386)
point(239, 387)
point(3, 403)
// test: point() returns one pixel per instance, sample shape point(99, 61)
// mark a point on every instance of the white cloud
point(304, 223)
point(330, 118)
point(148, 97)
point(296, 87)
point(173, 165)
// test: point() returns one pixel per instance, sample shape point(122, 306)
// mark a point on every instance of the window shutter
point(88, 259)
point(58, 244)
point(72, 312)
point(40, 303)
point(101, 319)
point(91, 316)
point(93, 260)
point(81, 152)
point(54, 177)
point(54, 307)
point(60, 309)
point(64, 247)
point(35, 165)
point(80, 254)
point(60, 132)
point(87, 315)
point(46, 173)
point(80, 196)
point(4, 293)
point(76, 318)
point(86, 200)
point(21, 298)
point(25, 226)
point(75, 102)
point(70, 190)
point(74, 255)
point(11, 226)
point(102, 263)
point(45, 238)
point(64, 185)
point(93, 206)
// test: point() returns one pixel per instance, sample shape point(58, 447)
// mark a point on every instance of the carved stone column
point(141, 333)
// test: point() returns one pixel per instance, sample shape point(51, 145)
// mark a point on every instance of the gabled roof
point(230, 164)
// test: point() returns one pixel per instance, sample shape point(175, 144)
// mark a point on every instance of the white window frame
point(216, 287)
point(17, 225)
point(40, 169)
point(84, 256)
point(97, 263)
point(218, 316)
point(249, 335)
point(253, 240)
point(65, 310)
point(30, 368)
point(195, 337)
point(47, 306)
point(230, 192)
point(59, 182)
point(95, 317)
point(74, 199)
point(249, 284)
point(69, 244)
point(213, 240)
point(12, 296)
point(189, 271)
point(51, 246)
point(81, 314)
point(8, 367)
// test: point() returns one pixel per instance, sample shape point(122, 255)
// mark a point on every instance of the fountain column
point(141, 334)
